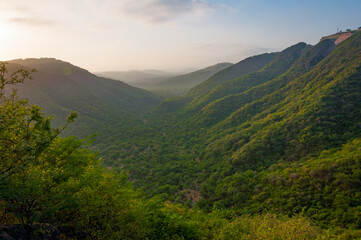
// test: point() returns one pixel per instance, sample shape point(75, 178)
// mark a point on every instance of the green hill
point(179, 85)
point(137, 78)
point(279, 64)
point(221, 108)
point(317, 111)
point(245, 66)
point(225, 151)
point(60, 87)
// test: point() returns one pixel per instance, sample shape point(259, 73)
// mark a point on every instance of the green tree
point(24, 131)
point(45, 179)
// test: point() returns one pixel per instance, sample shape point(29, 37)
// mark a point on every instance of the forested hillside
point(60, 88)
point(165, 83)
point(268, 148)
point(215, 152)
point(55, 188)
point(179, 85)
point(137, 78)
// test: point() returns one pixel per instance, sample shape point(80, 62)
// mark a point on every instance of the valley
point(274, 138)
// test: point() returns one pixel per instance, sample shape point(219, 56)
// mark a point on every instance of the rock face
point(339, 37)
point(343, 37)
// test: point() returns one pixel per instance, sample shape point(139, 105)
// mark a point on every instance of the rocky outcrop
point(343, 37)
point(339, 37)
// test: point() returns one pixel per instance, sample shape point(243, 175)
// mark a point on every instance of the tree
point(24, 131)
point(45, 179)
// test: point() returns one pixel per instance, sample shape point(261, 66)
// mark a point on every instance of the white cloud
point(159, 11)
point(44, 12)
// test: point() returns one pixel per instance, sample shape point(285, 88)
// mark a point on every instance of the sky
point(170, 35)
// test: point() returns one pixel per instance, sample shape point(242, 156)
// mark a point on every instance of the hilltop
point(60, 88)
point(340, 36)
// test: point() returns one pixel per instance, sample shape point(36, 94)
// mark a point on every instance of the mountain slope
point(279, 65)
point(227, 154)
point(221, 108)
point(179, 85)
point(245, 66)
point(115, 92)
point(314, 111)
point(318, 111)
point(60, 88)
point(137, 78)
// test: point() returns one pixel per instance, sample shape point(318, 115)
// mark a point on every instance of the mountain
point(292, 122)
point(339, 37)
point(60, 88)
point(318, 110)
point(233, 99)
point(245, 66)
point(300, 141)
point(277, 66)
point(163, 83)
point(179, 85)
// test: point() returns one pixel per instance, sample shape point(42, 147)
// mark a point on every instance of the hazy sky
point(165, 34)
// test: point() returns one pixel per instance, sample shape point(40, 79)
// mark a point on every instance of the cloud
point(31, 22)
point(103, 12)
point(159, 11)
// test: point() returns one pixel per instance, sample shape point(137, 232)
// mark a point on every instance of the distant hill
point(179, 85)
point(248, 65)
point(245, 66)
point(138, 78)
point(165, 83)
point(60, 87)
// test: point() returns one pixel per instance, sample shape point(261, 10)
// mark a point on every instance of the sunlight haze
point(167, 35)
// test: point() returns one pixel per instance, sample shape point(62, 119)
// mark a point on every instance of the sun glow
point(5, 36)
